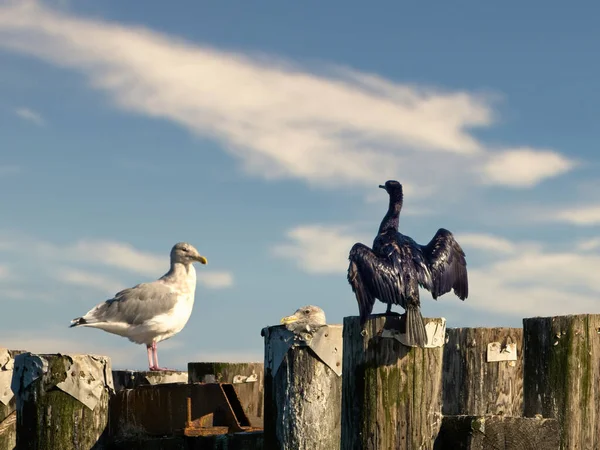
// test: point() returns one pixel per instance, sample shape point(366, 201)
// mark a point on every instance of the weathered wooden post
point(247, 379)
point(483, 372)
point(8, 414)
point(562, 375)
point(62, 400)
point(392, 394)
point(130, 379)
point(303, 389)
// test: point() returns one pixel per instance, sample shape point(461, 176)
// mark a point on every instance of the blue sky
point(260, 133)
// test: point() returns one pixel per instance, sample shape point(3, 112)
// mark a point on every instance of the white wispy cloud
point(30, 116)
point(317, 248)
point(88, 279)
point(328, 126)
point(215, 279)
point(524, 167)
point(589, 244)
point(518, 278)
point(587, 215)
point(103, 255)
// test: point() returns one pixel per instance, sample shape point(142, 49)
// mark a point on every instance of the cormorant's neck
point(392, 218)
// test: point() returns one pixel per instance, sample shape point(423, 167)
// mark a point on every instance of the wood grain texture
point(251, 394)
point(8, 415)
point(562, 375)
point(473, 386)
point(391, 393)
point(497, 433)
point(302, 403)
point(50, 419)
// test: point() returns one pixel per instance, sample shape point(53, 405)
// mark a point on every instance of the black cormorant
point(396, 266)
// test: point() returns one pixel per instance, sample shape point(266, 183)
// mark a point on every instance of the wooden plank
point(562, 375)
point(247, 379)
point(497, 433)
point(130, 379)
point(473, 385)
point(58, 409)
point(392, 394)
point(303, 399)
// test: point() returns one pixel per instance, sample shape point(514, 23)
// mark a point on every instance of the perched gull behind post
point(305, 319)
point(151, 312)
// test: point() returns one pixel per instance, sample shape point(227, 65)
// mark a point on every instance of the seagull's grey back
point(138, 304)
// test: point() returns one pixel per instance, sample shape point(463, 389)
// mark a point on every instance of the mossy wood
point(250, 390)
point(49, 418)
point(562, 375)
point(302, 402)
point(475, 386)
point(497, 433)
point(392, 394)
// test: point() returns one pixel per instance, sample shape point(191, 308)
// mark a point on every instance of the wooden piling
point(391, 393)
point(62, 401)
point(483, 371)
point(8, 414)
point(247, 379)
point(497, 433)
point(303, 392)
point(562, 375)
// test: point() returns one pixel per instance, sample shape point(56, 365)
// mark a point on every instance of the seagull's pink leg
point(155, 352)
point(150, 362)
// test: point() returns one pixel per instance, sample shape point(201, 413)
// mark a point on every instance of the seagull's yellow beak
point(201, 259)
point(289, 319)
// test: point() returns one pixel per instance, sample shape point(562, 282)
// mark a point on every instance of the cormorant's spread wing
point(447, 265)
point(372, 277)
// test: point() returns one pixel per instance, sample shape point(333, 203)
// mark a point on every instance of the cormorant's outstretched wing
point(372, 277)
point(447, 265)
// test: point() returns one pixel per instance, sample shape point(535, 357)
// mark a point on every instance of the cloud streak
point(281, 120)
point(30, 116)
point(101, 255)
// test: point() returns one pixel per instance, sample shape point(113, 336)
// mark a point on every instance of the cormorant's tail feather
point(77, 321)
point(415, 327)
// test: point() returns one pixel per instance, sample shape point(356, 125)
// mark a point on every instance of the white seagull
point(151, 312)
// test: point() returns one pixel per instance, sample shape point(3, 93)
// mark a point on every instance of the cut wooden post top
point(325, 342)
point(392, 326)
point(84, 377)
point(130, 379)
point(225, 372)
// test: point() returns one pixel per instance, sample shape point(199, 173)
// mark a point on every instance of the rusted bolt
point(337, 364)
point(326, 334)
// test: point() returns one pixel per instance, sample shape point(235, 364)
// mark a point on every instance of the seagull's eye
point(307, 311)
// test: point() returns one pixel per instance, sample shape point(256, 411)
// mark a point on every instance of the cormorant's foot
point(160, 369)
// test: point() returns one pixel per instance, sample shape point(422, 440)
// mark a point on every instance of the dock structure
point(338, 387)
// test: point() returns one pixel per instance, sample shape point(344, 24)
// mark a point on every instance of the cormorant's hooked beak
point(201, 259)
point(289, 319)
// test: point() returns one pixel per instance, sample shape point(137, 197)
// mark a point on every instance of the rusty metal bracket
point(214, 408)
point(190, 409)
